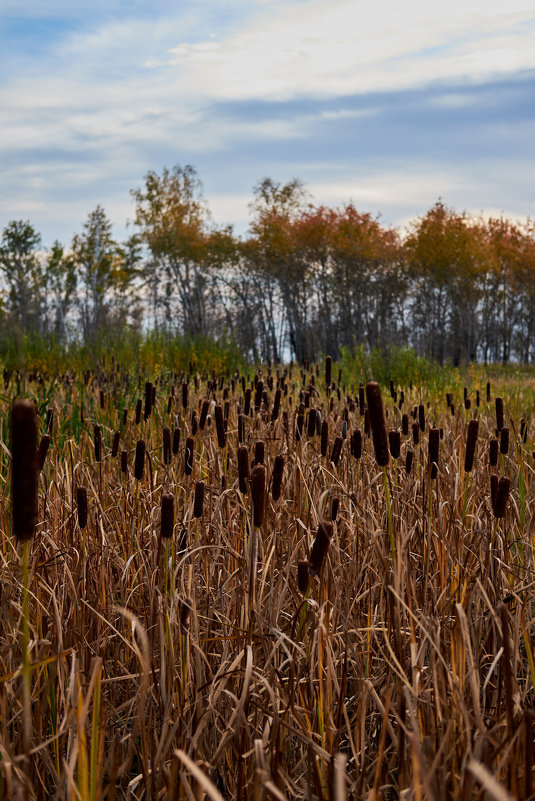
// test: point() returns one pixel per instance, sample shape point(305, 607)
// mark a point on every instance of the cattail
point(139, 460)
point(167, 516)
point(337, 450)
point(471, 439)
point(328, 370)
point(276, 405)
point(504, 440)
point(415, 433)
point(377, 423)
point(243, 469)
point(115, 443)
point(258, 396)
point(409, 456)
point(259, 452)
point(433, 449)
point(449, 399)
point(324, 437)
point(356, 441)
point(220, 428)
point(405, 425)
point(194, 423)
point(102, 399)
point(303, 576)
point(43, 450)
point(81, 503)
point(493, 489)
point(97, 441)
point(247, 402)
point(184, 395)
point(258, 483)
point(394, 441)
point(311, 423)
point(478, 399)
point(148, 400)
point(493, 452)
point(169, 404)
point(138, 411)
point(124, 461)
point(204, 414)
point(278, 468)
point(421, 416)
point(343, 429)
point(166, 442)
point(488, 391)
point(125, 416)
point(198, 502)
point(319, 547)
point(499, 413)
point(24, 469)
point(189, 455)
point(185, 612)
point(176, 441)
point(335, 505)
point(502, 496)
point(367, 421)
point(467, 403)
point(241, 428)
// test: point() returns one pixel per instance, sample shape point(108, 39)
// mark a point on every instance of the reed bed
point(231, 593)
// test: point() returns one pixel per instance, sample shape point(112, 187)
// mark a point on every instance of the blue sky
point(390, 105)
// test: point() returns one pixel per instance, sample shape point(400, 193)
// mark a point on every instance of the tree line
point(305, 280)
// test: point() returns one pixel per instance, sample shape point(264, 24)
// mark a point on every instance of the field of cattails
point(291, 584)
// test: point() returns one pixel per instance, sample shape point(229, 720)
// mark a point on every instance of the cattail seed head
point(377, 423)
point(278, 469)
point(303, 576)
point(176, 441)
point(493, 452)
point(421, 417)
point(198, 502)
point(115, 443)
point(337, 450)
point(243, 469)
point(139, 460)
point(504, 440)
point(259, 452)
point(258, 485)
point(394, 441)
point(204, 414)
point(320, 547)
point(409, 457)
point(276, 405)
point(433, 449)
point(81, 504)
point(124, 461)
point(502, 496)
point(189, 456)
point(166, 444)
point(405, 425)
point(138, 411)
point(335, 505)
point(167, 516)
point(471, 439)
point(356, 442)
point(43, 450)
point(220, 427)
point(415, 433)
point(97, 440)
point(24, 469)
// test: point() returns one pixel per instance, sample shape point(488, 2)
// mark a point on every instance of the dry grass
point(194, 667)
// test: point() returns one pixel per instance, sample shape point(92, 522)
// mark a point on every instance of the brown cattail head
point(337, 450)
point(303, 576)
point(198, 502)
point(276, 405)
point(335, 505)
point(328, 370)
point(278, 469)
point(243, 468)
point(176, 440)
point(299, 426)
point(148, 400)
point(499, 413)
point(24, 469)
point(43, 450)
point(394, 441)
point(115, 443)
point(138, 411)
point(409, 456)
point(311, 423)
point(97, 439)
point(241, 428)
point(504, 440)
point(124, 461)
point(405, 424)
point(421, 416)
point(415, 433)
point(433, 448)
point(471, 439)
point(319, 547)
point(220, 427)
point(258, 396)
point(259, 452)
point(204, 414)
point(377, 423)
point(194, 423)
point(189, 456)
point(247, 402)
point(167, 516)
point(185, 395)
point(502, 496)
point(139, 460)
point(258, 485)
point(81, 503)
point(493, 452)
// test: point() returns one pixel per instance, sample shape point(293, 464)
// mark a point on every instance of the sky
point(384, 104)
